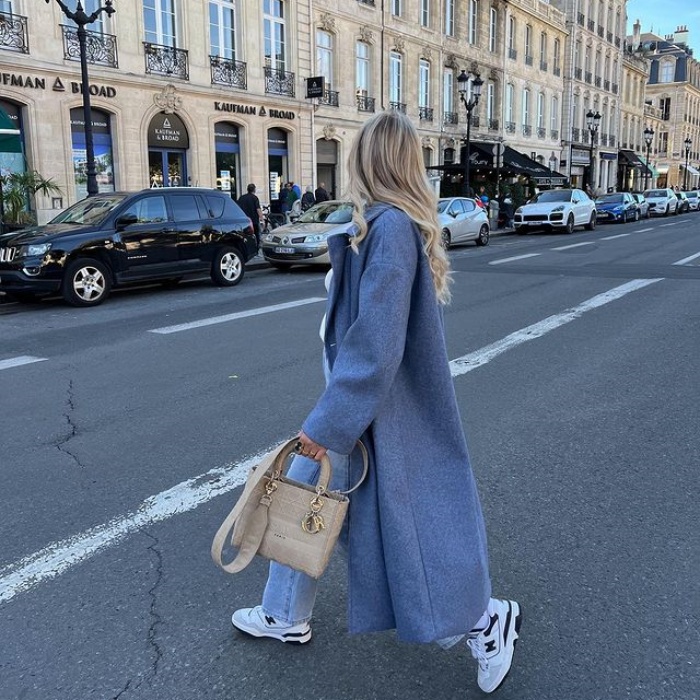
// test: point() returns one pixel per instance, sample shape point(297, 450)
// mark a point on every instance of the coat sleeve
point(368, 358)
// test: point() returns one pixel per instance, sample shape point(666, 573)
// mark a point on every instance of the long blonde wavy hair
point(386, 165)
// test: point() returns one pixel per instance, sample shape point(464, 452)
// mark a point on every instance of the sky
point(663, 16)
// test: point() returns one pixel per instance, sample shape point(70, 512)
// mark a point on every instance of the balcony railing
point(603, 139)
point(279, 82)
point(100, 49)
point(510, 127)
point(166, 60)
point(513, 54)
point(541, 132)
point(330, 98)
point(425, 114)
point(226, 71)
point(606, 84)
point(589, 77)
point(365, 103)
point(612, 140)
point(493, 124)
point(527, 130)
point(528, 60)
point(578, 73)
point(598, 81)
point(398, 106)
point(543, 66)
point(576, 134)
point(554, 135)
point(581, 19)
point(556, 70)
point(476, 123)
point(13, 33)
point(450, 117)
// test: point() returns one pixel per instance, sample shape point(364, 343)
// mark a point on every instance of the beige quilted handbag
point(284, 520)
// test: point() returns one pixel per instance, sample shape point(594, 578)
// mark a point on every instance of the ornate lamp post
point(593, 124)
point(688, 143)
point(469, 104)
point(648, 138)
point(81, 19)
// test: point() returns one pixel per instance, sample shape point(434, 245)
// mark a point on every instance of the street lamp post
point(469, 104)
point(688, 143)
point(593, 124)
point(648, 138)
point(81, 19)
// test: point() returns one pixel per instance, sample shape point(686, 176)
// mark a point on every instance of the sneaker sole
point(518, 623)
point(288, 637)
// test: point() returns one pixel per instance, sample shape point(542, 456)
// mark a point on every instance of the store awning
point(650, 167)
point(690, 169)
point(630, 159)
point(10, 141)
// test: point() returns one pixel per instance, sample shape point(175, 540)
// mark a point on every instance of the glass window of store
point(223, 26)
point(362, 68)
point(473, 32)
point(395, 77)
point(168, 141)
point(450, 17)
point(275, 35)
point(227, 145)
point(423, 83)
point(159, 22)
point(11, 147)
point(102, 140)
point(324, 56)
point(277, 164)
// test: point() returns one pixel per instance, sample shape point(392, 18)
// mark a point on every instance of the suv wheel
point(483, 238)
point(590, 226)
point(570, 224)
point(228, 268)
point(86, 282)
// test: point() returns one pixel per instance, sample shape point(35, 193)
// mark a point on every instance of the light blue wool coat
point(417, 557)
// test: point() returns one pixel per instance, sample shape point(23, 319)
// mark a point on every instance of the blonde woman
point(417, 558)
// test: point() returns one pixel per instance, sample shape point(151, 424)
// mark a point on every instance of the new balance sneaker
point(255, 622)
point(493, 647)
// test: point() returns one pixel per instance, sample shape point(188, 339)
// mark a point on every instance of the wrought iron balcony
point(576, 134)
point(365, 103)
point(612, 140)
point(589, 77)
point(398, 106)
point(425, 114)
point(510, 127)
point(330, 98)
point(578, 73)
point(513, 54)
point(603, 139)
point(528, 60)
point(556, 70)
point(166, 60)
point(279, 82)
point(13, 33)
point(554, 135)
point(226, 71)
point(493, 124)
point(541, 132)
point(527, 130)
point(101, 49)
point(475, 121)
point(450, 118)
point(543, 66)
point(581, 19)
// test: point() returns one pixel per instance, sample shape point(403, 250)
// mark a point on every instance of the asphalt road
point(123, 437)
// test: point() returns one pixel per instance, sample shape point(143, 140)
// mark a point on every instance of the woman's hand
point(308, 448)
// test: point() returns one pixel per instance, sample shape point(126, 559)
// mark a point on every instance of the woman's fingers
point(308, 448)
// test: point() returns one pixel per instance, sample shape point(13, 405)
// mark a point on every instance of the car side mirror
point(126, 220)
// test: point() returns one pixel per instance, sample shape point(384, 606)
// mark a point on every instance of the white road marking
point(663, 225)
point(19, 361)
point(517, 257)
point(58, 557)
point(233, 317)
point(573, 245)
point(612, 238)
point(644, 230)
point(467, 363)
point(690, 258)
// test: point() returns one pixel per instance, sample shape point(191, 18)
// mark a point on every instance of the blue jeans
point(290, 595)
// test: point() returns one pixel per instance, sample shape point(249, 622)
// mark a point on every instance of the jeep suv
point(117, 238)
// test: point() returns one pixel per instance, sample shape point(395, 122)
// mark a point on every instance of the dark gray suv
point(119, 238)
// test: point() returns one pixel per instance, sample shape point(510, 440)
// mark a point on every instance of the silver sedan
point(462, 219)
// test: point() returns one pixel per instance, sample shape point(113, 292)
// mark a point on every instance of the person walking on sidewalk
point(250, 204)
point(415, 535)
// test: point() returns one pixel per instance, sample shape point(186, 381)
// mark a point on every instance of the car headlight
point(268, 237)
point(617, 210)
point(316, 238)
point(519, 210)
point(38, 249)
point(561, 208)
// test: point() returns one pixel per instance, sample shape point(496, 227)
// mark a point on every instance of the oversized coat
point(417, 556)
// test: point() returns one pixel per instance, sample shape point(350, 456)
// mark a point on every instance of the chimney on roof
point(682, 35)
point(636, 34)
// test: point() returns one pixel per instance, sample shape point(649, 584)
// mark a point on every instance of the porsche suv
point(118, 238)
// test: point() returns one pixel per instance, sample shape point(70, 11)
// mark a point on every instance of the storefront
point(102, 144)
point(327, 164)
point(168, 142)
point(277, 163)
point(580, 166)
point(228, 149)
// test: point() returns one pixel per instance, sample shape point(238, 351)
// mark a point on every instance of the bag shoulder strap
point(365, 469)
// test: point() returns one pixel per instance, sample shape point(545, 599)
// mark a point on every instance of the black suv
point(119, 237)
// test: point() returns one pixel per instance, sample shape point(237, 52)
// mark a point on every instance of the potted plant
point(17, 197)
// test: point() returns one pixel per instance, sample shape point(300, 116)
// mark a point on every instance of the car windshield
point(328, 213)
point(691, 195)
point(610, 198)
point(93, 210)
point(552, 196)
point(656, 193)
point(442, 205)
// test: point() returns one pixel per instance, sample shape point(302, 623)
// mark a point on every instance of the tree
point(17, 196)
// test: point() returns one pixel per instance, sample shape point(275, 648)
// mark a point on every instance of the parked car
point(683, 203)
point(556, 209)
point(693, 200)
point(117, 238)
point(305, 242)
point(642, 205)
point(617, 206)
point(463, 219)
point(662, 202)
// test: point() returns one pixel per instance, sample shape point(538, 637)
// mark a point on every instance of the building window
point(362, 68)
point(543, 51)
point(423, 83)
point(556, 56)
point(275, 34)
point(324, 56)
point(448, 102)
point(540, 111)
point(554, 116)
point(668, 72)
point(511, 35)
point(395, 77)
point(491, 102)
point(473, 33)
point(159, 22)
point(528, 44)
point(510, 94)
point(493, 29)
point(424, 13)
point(450, 17)
point(89, 6)
point(222, 28)
point(526, 107)
point(396, 8)
point(102, 146)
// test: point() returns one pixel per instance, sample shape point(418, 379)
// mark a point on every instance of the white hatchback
point(662, 202)
point(462, 219)
point(556, 209)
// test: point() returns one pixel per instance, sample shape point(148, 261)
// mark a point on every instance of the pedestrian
point(308, 199)
point(321, 193)
point(250, 204)
point(293, 201)
point(416, 541)
point(286, 198)
point(297, 189)
point(484, 199)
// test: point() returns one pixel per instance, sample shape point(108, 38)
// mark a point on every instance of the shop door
point(167, 168)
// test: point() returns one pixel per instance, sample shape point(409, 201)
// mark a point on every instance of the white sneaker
point(253, 621)
point(493, 647)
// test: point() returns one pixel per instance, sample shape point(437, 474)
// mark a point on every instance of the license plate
point(284, 251)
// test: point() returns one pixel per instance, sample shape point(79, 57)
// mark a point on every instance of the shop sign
point(580, 156)
point(31, 82)
point(234, 108)
point(167, 131)
point(95, 90)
